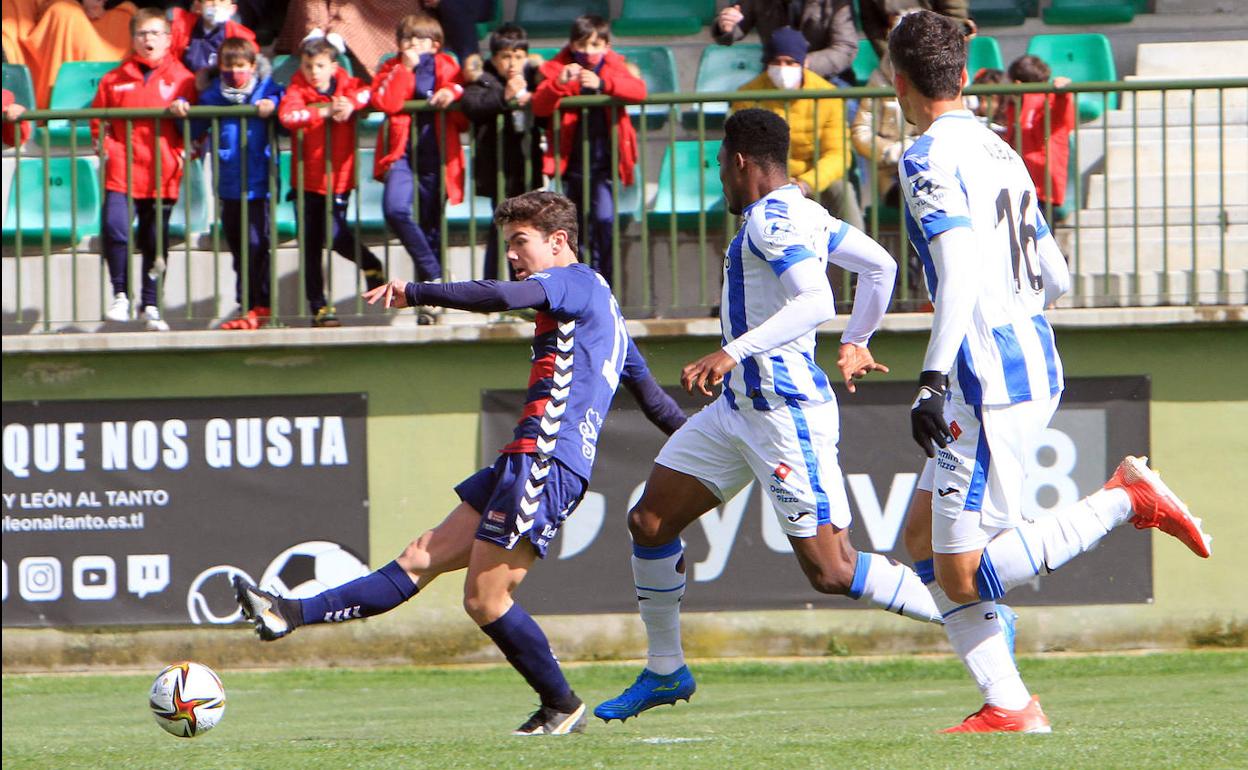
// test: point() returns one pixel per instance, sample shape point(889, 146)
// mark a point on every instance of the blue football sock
point(373, 594)
point(528, 651)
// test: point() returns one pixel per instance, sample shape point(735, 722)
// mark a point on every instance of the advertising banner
point(140, 511)
point(738, 558)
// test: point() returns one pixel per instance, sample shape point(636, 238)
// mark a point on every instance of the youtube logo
point(95, 578)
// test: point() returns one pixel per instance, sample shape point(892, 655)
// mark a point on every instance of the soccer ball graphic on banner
point(187, 699)
point(305, 570)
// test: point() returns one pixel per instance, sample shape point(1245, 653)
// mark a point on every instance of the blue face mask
point(590, 60)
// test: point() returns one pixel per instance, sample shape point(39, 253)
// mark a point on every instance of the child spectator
point(198, 34)
point(149, 77)
point(989, 108)
point(509, 75)
point(420, 71)
point(13, 111)
point(244, 79)
point(319, 108)
point(587, 65)
point(1045, 160)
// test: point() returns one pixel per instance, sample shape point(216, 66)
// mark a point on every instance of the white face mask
point(214, 16)
point(787, 78)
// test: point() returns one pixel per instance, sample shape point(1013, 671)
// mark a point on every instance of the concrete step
point(1146, 117)
point(1178, 192)
point(1208, 156)
point(1232, 99)
point(1175, 216)
point(1121, 289)
point(1149, 250)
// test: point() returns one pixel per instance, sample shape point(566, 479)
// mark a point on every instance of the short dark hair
point(758, 134)
point(145, 15)
point(930, 50)
point(543, 210)
point(416, 25)
point(509, 37)
point(988, 76)
point(317, 46)
point(585, 27)
point(233, 48)
point(1030, 69)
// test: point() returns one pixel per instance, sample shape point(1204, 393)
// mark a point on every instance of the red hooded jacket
point(10, 134)
point(617, 81)
point(126, 87)
point(396, 84)
point(1062, 121)
point(300, 109)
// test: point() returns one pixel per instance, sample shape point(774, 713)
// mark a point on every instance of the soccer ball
point(307, 569)
point(187, 699)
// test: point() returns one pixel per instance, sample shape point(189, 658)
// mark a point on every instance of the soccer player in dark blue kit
point(511, 510)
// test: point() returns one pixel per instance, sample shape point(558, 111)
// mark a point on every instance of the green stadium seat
point(658, 68)
point(74, 89)
point(63, 198)
point(681, 172)
point(553, 18)
point(998, 13)
point(663, 18)
point(17, 79)
point(194, 179)
point(1090, 12)
point(484, 28)
point(1085, 57)
point(984, 53)
point(724, 68)
point(865, 62)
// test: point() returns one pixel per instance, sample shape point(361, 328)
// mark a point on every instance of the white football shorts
point(790, 451)
point(977, 481)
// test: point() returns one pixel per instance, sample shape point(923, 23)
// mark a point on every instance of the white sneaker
point(154, 322)
point(119, 310)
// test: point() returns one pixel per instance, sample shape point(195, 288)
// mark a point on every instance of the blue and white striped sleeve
point(936, 193)
point(771, 236)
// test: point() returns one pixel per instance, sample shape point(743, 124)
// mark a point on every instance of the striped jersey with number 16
point(961, 174)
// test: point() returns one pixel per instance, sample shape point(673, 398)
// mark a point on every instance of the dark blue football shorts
point(501, 494)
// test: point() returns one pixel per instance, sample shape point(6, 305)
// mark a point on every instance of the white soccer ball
point(307, 569)
point(187, 699)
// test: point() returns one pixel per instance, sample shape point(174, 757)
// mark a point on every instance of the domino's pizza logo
point(955, 429)
point(781, 473)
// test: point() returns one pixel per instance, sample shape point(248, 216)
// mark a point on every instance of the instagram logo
point(39, 578)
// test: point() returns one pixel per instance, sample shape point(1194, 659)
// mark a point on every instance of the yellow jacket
point(834, 155)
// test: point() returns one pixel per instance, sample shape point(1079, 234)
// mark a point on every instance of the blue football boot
point(648, 691)
point(1006, 618)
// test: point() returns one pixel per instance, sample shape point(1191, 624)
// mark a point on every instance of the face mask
point(591, 60)
point(235, 78)
point(787, 78)
point(214, 16)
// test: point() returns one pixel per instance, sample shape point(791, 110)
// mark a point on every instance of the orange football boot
point(1154, 505)
point(992, 719)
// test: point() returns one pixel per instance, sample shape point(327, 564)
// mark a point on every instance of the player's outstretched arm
point(477, 296)
point(660, 408)
point(855, 251)
point(810, 304)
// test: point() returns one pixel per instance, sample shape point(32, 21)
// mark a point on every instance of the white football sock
point(977, 639)
point(659, 576)
point(1038, 547)
point(884, 583)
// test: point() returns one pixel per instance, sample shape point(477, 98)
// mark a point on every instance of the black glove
point(927, 415)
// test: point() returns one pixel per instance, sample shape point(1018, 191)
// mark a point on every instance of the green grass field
point(1183, 710)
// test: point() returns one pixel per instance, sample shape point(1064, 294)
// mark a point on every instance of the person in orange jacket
point(587, 65)
point(419, 71)
point(319, 108)
point(1046, 157)
point(12, 111)
point(149, 77)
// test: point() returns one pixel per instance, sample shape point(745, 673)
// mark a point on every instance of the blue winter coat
point(229, 164)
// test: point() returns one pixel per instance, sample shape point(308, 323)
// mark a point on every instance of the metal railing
point(668, 238)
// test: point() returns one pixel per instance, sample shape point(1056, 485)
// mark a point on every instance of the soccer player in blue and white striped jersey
point(992, 377)
point(776, 421)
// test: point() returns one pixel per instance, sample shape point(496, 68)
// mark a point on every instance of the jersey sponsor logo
point(796, 517)
point(781, 494)
point(775, 229)
point(948, 491)
point(495, 522)
point(589, 428)
point(167, 90)
point(946, 460)
point(781, 472)
point(955, 429)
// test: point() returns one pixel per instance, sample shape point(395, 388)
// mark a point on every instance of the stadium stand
point(663, 18)
point(658, 69)
point(17, 79)
point(552, 18)
point(74, 89)
point(66, 202)
point(998, 13)
point(688, 184)
point(1082, 58)
point(1086, 12)
point(723, 68)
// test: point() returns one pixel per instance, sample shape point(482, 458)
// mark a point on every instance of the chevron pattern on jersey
point(548, 435)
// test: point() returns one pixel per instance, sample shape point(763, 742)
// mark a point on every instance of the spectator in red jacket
point(197, 37)
point(1045, 157)
point(149, 77)
point(13, 111)
point(403, 162)
point(319, 109)
point(587, 65)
